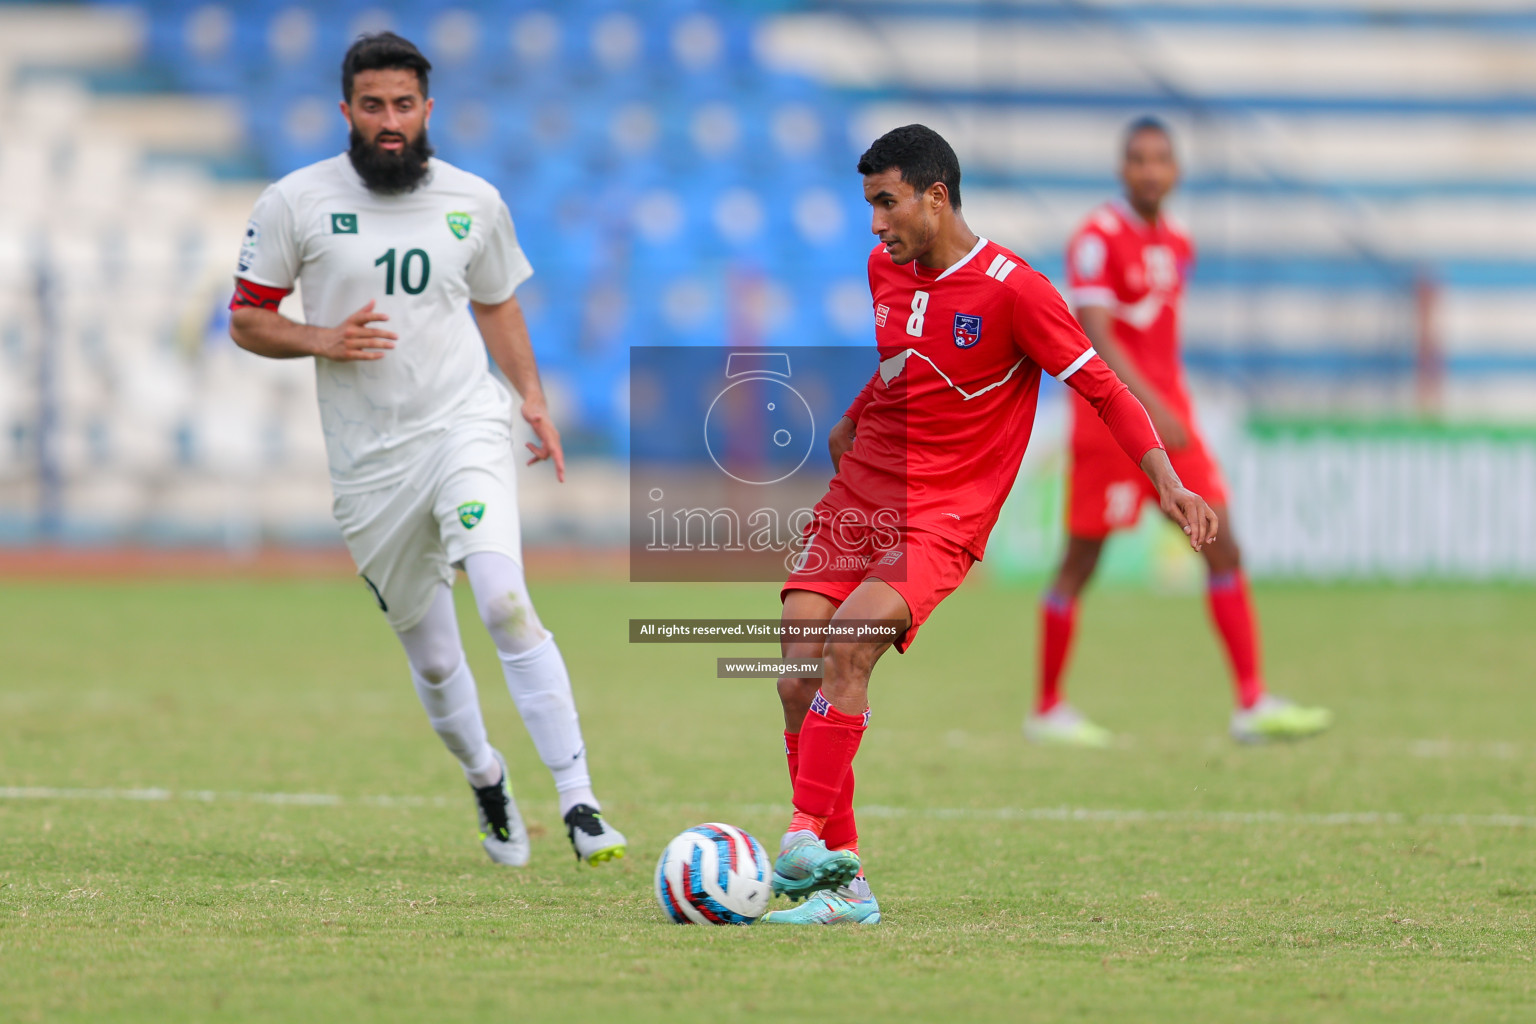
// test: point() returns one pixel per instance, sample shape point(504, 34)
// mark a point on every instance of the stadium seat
point(698, 158)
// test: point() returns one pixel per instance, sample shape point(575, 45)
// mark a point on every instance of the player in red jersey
point(1126, 269)
point(924, 459)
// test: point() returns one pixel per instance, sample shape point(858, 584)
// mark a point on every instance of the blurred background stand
point(1360, 180)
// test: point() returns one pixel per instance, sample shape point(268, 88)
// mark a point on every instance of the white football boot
point(1065, 726)
point(502, 832)
point(593, 839)
point(1275, 718)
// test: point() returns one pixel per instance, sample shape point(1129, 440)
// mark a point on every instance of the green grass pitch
point(1183, 904)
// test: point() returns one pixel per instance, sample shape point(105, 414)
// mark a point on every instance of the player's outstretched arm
point(506, 338)
point(1196, 518)
point(1098, 324)
point(1048, 333)
point(267, 332)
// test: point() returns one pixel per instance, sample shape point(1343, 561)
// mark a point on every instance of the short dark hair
point(380, 50)
point(920, 153)
point(1145, 123)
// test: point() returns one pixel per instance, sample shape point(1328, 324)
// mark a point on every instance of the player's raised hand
point(840, 440)
point(537, 415)
point(1190, 511)
point(356, 339)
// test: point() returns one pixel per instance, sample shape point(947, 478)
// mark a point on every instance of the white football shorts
point(459, 498)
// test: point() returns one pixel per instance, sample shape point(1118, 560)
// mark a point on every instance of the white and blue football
point(713, 874)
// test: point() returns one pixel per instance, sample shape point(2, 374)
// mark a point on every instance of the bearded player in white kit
point(393, 249)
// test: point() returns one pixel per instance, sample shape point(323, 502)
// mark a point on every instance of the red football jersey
point(943, 424)
point(1137, 271)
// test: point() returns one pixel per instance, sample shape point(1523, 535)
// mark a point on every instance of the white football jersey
point(421, 257)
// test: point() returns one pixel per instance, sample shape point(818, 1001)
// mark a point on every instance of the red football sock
point(829, 739)
point(842, 833)
point(802, 822)
point(1233, 615)
point(1058, 619)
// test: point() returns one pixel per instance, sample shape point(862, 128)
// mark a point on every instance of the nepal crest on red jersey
point(967, 330)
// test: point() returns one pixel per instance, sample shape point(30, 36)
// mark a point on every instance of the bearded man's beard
point(390, 172)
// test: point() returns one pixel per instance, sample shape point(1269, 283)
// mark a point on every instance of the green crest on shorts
point(470, 513)
point(458, 223)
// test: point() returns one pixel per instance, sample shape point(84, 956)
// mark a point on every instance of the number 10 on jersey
point(412, 280)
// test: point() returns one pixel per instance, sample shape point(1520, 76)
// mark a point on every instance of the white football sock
point(446, 689)
point(541, 689)
point(453, 708)
point(791, 838)
point(536, 673)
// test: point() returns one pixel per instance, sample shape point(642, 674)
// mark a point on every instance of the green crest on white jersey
point(458, 223)
point(470, 513)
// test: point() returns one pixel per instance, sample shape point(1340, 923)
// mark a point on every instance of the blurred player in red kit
point(1126, 268)
point(924, 458)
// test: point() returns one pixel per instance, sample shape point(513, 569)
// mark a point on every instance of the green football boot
point(1275, 718)
point(806, 866)
point(1065, 726)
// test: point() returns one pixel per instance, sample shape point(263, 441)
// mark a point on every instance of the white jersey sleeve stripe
point(1093, 296)
point(1077, 364)
point(1001, 267)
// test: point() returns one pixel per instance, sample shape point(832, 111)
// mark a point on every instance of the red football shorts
point(924, 568)
point(1105, 489)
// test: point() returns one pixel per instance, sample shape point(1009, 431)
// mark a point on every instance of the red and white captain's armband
point(257, 296)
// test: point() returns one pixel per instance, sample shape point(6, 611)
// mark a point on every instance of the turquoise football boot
point(806, 866)
point(842, 905)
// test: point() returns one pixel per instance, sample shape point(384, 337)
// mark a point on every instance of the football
point(713, 874)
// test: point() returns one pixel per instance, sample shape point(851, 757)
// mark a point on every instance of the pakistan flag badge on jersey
point(458, 223)
point(470, 514)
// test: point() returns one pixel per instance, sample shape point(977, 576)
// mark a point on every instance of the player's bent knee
point(850, 661)
point(806, 650)
point(435, 667)
point(797, 692)
point(512, 623)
